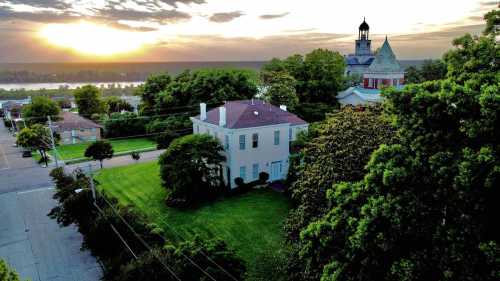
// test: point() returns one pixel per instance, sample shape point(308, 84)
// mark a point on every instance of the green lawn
point(75, 151)
point(249, 223)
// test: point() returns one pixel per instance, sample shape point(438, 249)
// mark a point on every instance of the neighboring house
point(255, 135)
point(134, 101)
point(12, 108)
point(75, 129)
point(384, 71)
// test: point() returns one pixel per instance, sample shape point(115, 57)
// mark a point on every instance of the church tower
point(363, 44)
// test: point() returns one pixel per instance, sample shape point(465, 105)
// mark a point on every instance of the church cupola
point(363, 44)
point(364, 30)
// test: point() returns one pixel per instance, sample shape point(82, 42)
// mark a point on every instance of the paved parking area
point(35, 245)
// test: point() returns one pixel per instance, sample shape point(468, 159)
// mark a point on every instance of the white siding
point(263, 155)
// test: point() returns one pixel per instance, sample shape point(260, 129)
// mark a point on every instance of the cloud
point(54, 4)
point(7, 13)
point(160, 16)
point(225, 17)
point(273, 16)
point(174, 2)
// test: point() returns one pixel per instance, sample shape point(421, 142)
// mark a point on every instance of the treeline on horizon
point(109, 90)
point(11, 73)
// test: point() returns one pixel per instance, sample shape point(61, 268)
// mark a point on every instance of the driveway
point(35, 246)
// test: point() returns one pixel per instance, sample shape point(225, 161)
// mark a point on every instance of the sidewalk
point(115, 161)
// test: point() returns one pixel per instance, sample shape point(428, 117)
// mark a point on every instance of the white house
point(255, 135)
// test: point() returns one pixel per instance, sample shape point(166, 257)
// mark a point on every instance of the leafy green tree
point(7, 274)
point(492, 19)
point(99, 150)
point(150, 91)
point(89, 102)
point(38, 110)
point(319, 75)
point(191, 170)
point(127, 124)
point(338, 151)
point(226, 264)
point(210, 86)
point(413, 75)
point(36, 137)
point(281, 90)
point(427, 207)
point(324, 72)
point(115, 104)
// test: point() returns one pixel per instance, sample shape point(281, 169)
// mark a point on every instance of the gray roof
point(249, 114)
point(385, 61)
point(73, 121)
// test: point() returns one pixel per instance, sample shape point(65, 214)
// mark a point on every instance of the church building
point(363, 56)
point(377, 71)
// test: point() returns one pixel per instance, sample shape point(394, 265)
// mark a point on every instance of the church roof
point(385, 61)
point(353, 60)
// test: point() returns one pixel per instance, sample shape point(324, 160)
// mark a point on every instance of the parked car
point(26, 153)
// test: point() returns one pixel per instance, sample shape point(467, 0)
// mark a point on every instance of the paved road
point(116, 161)
point(17, 173)
point(30, 241)
point(35, 245)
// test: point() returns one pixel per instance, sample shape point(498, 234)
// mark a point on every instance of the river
point(51, 86)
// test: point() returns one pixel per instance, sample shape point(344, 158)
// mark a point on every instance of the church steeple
point(364, 30)
point(363, 44)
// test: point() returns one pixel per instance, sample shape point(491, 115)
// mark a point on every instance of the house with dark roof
point(75, 129)
point(255, 135)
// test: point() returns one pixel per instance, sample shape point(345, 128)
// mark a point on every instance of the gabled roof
point(73, 121)
point(249, 114)
point(385, 61)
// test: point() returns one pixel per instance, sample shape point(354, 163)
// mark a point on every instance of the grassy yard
point(75, 151)
point(249, 223)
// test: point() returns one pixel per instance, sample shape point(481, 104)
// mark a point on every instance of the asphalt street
point(32, 243)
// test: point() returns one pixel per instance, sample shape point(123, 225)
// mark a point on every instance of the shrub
point(239, 182)
point(263, 177)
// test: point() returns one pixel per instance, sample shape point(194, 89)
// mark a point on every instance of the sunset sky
point(221, 30)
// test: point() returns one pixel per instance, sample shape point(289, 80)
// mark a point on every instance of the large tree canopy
point(162, 94)
point(40, 109)
point(89, 102)
point(319, 75)
point(427, 207)
point(339, 150)
point(191, 169)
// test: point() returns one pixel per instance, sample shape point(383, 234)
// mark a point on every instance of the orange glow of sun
point(94, 39)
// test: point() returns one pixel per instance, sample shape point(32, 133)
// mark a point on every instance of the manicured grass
point(250, 223)
point(75, 151)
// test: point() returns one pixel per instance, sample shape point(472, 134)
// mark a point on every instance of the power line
point(201, 250)
point(146, 245)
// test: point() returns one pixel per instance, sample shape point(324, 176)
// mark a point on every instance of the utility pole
point(92, 186)
point(53, 141)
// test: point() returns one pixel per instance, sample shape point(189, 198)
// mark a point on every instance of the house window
point(276, 137)
point(255, 140)
point(255, 171)
point(242, 142)
point(243, 172)
point(290, 134)
point(226, 142)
